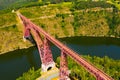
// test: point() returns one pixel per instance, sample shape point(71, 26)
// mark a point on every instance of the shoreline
point(101, 36)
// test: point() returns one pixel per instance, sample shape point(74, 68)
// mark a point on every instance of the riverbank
point(27, 44)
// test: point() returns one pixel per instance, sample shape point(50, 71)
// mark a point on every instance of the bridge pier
point(47, 59)
point(64, 73)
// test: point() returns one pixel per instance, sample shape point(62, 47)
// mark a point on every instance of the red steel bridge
point(42, 40)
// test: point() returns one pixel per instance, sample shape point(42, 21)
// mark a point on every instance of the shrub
point(30, 75)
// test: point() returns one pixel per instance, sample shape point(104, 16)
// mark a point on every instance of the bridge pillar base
point(47, 67)
point(52, 74)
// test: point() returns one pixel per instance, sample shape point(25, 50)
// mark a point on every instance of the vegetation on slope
point(9, 37)
point(90, 4)
point(63, 20)
point(30, 75)
point(98, 18)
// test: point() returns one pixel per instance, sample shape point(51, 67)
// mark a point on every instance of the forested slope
point(61, 20)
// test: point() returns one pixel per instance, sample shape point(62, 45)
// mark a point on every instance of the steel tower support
point(64, 73)
point(48, 62)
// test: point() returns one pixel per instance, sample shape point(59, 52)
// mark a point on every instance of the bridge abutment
point(47, 67)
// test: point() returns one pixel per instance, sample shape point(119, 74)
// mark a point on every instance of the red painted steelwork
point(64, 74)
point(100, 75)
point(47, 53)
point(43, 45)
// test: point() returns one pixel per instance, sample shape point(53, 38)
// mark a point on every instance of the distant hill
point(15, 4)
point(6, 4)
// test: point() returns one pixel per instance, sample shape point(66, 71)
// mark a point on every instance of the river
point(14, 64)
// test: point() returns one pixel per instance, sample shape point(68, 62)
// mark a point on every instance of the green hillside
point(60, 20)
